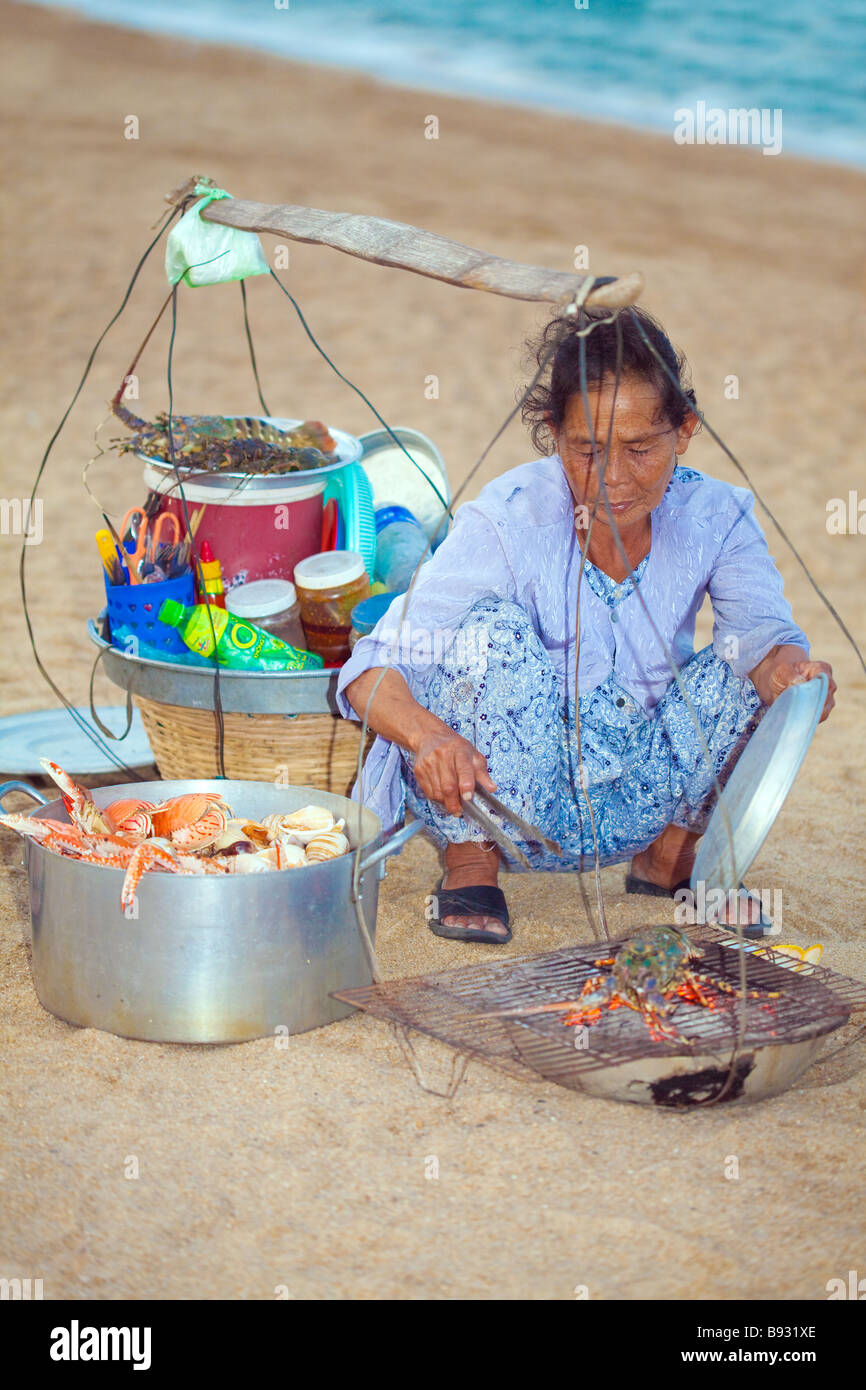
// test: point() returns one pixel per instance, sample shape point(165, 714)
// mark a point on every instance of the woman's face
point(643, 448)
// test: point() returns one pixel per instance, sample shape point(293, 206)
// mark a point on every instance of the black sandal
point(754, 931)
point(467, 902)
point(633, 884)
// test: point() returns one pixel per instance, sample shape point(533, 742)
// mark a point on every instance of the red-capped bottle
point(211, 589)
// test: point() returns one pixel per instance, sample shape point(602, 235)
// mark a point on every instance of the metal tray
point(348, 451)
point(756, 789)
point(241, 692)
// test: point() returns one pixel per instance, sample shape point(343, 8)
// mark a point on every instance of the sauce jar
point(271, 604)
point(329, 586)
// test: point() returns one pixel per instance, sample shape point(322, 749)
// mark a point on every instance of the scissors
point(473, 807)
point(147, 536)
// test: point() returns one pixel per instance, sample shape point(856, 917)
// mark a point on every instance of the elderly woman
point(479, 680)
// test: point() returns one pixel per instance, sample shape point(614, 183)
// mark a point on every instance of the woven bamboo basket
point(314, 750)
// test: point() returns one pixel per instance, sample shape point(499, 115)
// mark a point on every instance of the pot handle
point(25, 787)
point(392, 845)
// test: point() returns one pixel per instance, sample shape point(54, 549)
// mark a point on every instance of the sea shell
point(130, 817)
point(239, 847)
point(262, 862)
point(181, 812)
point(233, 833)
point(257, 832)
point(330, 845)
point(119, 810)
point(288, 854)
point(302, 825)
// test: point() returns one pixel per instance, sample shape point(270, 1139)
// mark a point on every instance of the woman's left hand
point(795, 672)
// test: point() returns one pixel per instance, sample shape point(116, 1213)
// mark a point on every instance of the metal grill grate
point(458, 1007)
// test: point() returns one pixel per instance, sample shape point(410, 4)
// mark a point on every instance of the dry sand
point(305, 1167)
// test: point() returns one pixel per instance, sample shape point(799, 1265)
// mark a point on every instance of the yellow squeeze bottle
point(239, 645)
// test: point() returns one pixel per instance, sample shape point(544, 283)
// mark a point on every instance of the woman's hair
point(546, 403)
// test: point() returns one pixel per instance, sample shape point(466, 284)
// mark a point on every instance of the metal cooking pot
point(210, 959)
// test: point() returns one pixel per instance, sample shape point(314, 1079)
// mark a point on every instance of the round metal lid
point(52, 733)
point(423, 488)
point(757, 787)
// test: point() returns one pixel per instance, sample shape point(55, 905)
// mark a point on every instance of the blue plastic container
point(366, 614)
point(401, 546)
point(134, 608)
point(392, 511)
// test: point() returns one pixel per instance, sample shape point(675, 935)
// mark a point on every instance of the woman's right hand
point(447, 767)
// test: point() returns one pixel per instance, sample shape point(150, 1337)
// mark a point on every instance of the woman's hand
point(789, 665)
point(447, 768)
point(795, 672)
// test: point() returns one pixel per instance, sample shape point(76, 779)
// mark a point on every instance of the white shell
point(328, 846)
point(302, 825)
point(233, 832)
point(288, 854)
point(262, 862)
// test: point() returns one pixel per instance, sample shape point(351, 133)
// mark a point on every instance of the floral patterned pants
point(642, 771)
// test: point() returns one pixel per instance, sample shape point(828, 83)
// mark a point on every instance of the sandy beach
point(304, 1166)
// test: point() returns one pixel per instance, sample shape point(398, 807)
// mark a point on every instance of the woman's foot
point(669, 860)
point(473, 865)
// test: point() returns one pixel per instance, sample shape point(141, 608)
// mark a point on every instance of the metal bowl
point(679, 1082)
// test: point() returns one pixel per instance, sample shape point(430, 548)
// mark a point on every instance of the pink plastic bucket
point(255, 533)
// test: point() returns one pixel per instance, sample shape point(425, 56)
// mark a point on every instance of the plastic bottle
point(329, 586)
point(239, 645)
point(211, 578)
point(401, 542)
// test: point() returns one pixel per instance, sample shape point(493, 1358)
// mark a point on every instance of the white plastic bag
point(205, 253)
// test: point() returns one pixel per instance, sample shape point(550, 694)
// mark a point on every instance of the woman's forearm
point(394, 712)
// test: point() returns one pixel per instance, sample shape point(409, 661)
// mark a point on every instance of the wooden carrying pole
point(410, 248)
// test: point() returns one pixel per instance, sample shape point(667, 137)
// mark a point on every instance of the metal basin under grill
point(616, 1057)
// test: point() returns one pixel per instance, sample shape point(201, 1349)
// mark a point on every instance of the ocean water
point(634, 62)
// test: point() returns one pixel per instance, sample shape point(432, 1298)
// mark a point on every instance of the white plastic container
point(271, 604)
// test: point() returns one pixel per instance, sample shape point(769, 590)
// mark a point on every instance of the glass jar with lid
point(329, 586)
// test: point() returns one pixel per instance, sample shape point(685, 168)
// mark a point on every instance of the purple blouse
point(517, 541)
